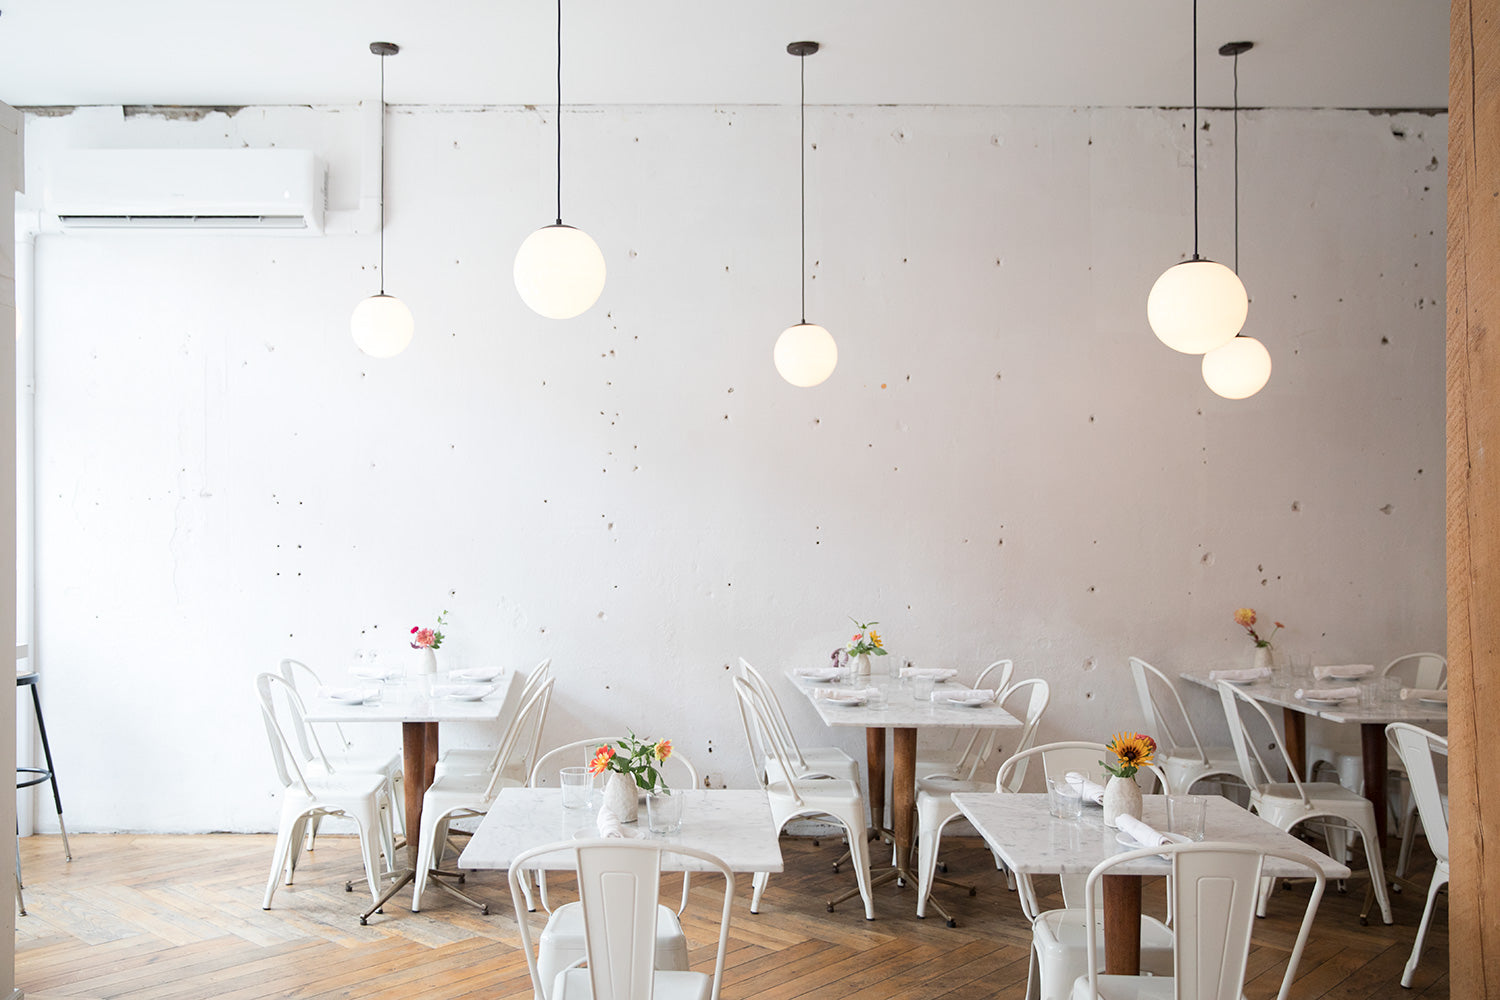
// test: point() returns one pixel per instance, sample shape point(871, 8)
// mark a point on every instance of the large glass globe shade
point(382, 326)
point(1239, 369)
point(1196, 306)
point(559, 271)
point(805, 354)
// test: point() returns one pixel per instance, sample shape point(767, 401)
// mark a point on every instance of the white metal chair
point(791, 797)
point(457, 796)
point(1338, 746)
point(1417, 748)
point(966, 752)
point(1182, 763)
point(1289, 804)
point(619, 882)
point(1213, 889)
point(807, 762)
point(562, 942)
point(316, 789)
point(935, 808)
point(476, 760)
point(1058, 937)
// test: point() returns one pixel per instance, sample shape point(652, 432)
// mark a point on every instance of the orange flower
point(875, 638)
point(600, 763)
point(1245, 617)
point(663, 750)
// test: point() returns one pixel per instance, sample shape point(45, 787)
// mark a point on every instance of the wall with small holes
point(1006, 462)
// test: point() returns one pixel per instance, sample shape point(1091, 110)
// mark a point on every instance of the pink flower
point(425, 637)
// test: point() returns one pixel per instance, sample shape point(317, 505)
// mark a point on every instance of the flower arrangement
point(1245, 617)
point(637, 758)
point(1132, 751)
point(866, 642)
point(428, 638)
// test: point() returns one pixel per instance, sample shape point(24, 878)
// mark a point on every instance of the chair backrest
point(619, 882)
point(281, 709)
point(1158, 697)
point(530, 717)
point(304, 678)
point(1243, 712)
point(996, 676)
point(1033, 693)
point(1419, 670)
point(760, 731)
point(1214, 888)
point(1057, 760)
point(1417, 748)
point(777, 714)
point(544, 772)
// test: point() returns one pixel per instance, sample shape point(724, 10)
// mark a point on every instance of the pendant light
point(1241, 367)
point(559, 270)
point(1197, 305)
point(805, 354)
point(382, 325)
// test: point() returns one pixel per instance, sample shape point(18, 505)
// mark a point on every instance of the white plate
point(969, 702)
point(350, 696)
point(848, 702)
point(479, 674)
point(1326, 701)
point(375, 673)
point(461, 692)
point(1347, 676)
point(1243, 683)
point(1126, 840)
point(1433, 701)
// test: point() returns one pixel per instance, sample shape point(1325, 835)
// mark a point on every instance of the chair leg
point(861, 850)
point(1377, 871)
point(758, 889)
point(287, 837)
point(1263, 897)
point(20, 900)
point(1438, 880)
point(368, 821)
point(427, 839)
point(1408, 837)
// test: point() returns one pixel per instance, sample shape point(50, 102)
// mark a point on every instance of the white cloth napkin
point(1247, 674)
point(1143, 833)
point(1328, 694)
point(936, 673)
point(842, 693)
point(964, 694)
point(1347, 671)
point(476, 674)
point(1425, 694)
point(1088, 790)
point(374, 673)
point(353, 695)
point(821, 673)
point(610, 826)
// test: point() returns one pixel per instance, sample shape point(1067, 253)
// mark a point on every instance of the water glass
point(1063, 800)
point(664, 812)
point(921, 688)
point(875, 698)
point(1185, 815)
point(577, 783)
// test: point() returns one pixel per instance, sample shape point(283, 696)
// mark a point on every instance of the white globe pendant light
point(559, 270)
point(381, 325)
point(805, 354)
point(1199, 304)
point(1239, 369)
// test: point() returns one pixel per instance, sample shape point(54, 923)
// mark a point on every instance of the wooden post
point(1474, 495)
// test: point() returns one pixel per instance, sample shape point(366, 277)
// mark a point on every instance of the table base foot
point(403, 878)
point(903, 877)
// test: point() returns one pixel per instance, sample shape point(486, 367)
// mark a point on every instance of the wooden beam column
point(1474, 495)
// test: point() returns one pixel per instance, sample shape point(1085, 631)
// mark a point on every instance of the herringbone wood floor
point(179, 918)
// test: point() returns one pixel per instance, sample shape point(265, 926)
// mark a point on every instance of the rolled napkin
point(1247, 674)
point(1145, 834)
point(1345, 672)
point(610, 826)
point(964, 694)
point(1328, 694)
point(842, 693)
point(1425, 694)
point(1087, 789)
point(821, 673)
point(936, 673)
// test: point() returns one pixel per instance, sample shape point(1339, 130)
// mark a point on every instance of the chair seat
point(562, 941)
point(464, 760)
point(1061, 942)
point(1127, 988)
point(1319, 791)
point(344, 785)
point(942, 784)
point(574, 985)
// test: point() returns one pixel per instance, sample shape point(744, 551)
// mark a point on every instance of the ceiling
point(1329, 53)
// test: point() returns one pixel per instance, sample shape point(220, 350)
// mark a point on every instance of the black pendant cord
point(802, 121)
point(382, 174)
point(558, 127)
point(1195, 130)
point(1236, 163)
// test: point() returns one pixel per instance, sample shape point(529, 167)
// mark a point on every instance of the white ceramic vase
point(427, 662)
point(1122, 797)
point(620, 797)
point(862, 665)
point(1262, 657)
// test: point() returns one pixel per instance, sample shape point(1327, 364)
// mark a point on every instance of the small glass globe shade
point(1239, 369)
point(1196, 306)
point(382, 326)
point(559, 272)
point(805, 354)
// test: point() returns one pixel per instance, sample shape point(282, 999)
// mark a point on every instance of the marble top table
point(1372, 720)
point(1032, 842)
point(905, 715)
point(732, 824)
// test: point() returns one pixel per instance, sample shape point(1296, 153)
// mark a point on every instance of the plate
point(375, 673)
point(1326, 701)
point(350, 696)
point(1433, 701)
point(848, 702)
point(479, 674)
point(1346, 675)
point(969, 702)
point(461, 692)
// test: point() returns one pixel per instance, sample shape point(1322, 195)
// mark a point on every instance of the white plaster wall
point(1006, 462)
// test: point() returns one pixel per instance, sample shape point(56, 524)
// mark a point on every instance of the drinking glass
point(875, 698)
point(1185, 815)
point(577, 783)
point(1063, 800)
point(664, 812)
point(921, 688)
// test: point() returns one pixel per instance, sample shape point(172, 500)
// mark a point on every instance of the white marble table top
point(732, 824)
point(901, 710)
point(412, 701)
point(1033, 842)
point(1281, 691)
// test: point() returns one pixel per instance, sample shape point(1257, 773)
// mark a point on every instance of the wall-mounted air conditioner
point(278, 191)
